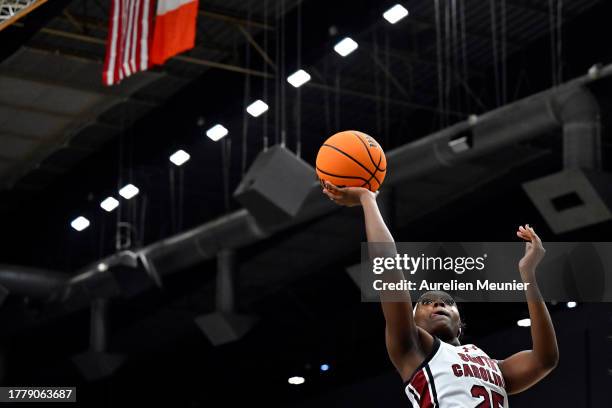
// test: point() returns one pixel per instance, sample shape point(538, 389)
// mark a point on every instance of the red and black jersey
point(457, 376)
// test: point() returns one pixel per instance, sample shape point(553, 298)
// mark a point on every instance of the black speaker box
point(224, 327)
point(96, 365)
point(276, 186)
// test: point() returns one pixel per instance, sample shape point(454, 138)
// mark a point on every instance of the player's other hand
point(347, 196)
point(534, 251)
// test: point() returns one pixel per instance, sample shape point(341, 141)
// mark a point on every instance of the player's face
point(437, 314)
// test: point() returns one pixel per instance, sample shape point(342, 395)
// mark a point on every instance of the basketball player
point(423, 341)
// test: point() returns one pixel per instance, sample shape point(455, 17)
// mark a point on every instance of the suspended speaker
point(97, 365)
point(224, 327)
point(276, 186)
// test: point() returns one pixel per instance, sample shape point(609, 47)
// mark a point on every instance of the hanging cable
point(379, 127)
point(326, 101)
point(171, 184)
point(246, 96)
point(504, 75)
point(118, 240)
point(495, 52)
point(439, 55)
point(298, 119)
point(337, 99)
point(455, 49)
point(181, 195)
point(559, 41)
point(279, 77)
point(387, 91)
point(265, 79)
point(553, 41)
point(226, 154)
point(464, 56)
point(447, 62)
point(143, 218)
point(283, 87)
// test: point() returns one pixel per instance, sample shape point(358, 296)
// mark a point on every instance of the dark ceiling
point(312, 314)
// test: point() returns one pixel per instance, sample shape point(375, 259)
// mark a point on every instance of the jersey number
point(496, 400)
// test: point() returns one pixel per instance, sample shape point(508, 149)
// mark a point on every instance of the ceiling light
point(257, 108)
point(129, 191)
point(179, 157)
point(298, 78)
point(216, 132)
point(80, 223)
point(346, 46)
point(296, 380)
point(109, 204)
point(524, 323)
point(395, 13)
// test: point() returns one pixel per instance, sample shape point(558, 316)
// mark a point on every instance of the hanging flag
point(127, 43)
point(175, 27)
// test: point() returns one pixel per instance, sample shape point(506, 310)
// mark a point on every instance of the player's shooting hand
point(346, 196)
point(534, 251)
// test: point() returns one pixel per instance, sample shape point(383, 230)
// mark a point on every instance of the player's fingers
point(328, 193)
point(332, 187)
point(332, 195)
point(523, 235)
point(530, 232)
point(535, 236)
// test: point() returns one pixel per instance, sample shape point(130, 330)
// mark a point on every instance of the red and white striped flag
point(127, 44)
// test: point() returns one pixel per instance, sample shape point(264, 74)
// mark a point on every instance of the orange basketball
point(352, 158)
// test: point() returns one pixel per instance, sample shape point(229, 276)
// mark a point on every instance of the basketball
point(352, 159)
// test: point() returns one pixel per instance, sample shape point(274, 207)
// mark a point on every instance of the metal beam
point(21, 136)
point(399, 102)
point(408, 56)
point(107, 92)
point(182, 58)
point(389, 75)
point(82, 22)
point(223, 66)
point(234, 20)
point(75, 23)
point(259, 50)
point(13, 10)
point(35, 109)
point(536, 7)
point(512, 42)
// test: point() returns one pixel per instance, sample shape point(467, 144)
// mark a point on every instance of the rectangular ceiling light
point(395, 13)
point(80, 223)
point(109, 204)
point(298, 78)
point(346, 46)
point(129, 191)
point(179, 157)
point(217, 132)
point(257, 108)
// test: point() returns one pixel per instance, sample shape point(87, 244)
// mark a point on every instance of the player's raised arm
point(402, 335)
point(526, 368)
